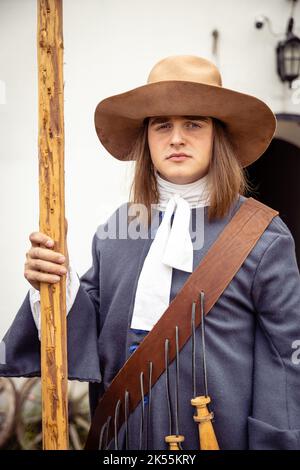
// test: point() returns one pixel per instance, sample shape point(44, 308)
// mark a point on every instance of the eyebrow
point(163, 119)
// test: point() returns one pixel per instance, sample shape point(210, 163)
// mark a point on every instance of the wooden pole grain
point(54, 372)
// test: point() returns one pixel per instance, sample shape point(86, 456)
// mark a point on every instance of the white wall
point(110, 47)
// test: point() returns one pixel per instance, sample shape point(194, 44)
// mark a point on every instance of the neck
point(180, 182)
point(196, 193)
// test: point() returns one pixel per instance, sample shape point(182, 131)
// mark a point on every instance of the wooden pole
point(52, 222)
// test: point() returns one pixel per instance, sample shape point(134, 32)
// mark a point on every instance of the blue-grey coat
point(252, 336)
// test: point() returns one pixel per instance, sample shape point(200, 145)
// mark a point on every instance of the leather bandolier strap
point(212, 275)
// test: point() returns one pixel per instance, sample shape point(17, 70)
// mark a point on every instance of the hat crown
point(185, 68)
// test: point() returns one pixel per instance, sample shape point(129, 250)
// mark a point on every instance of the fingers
point(43, 264)
point(35, 277)
point(46, 267)
point(45, 254)
point(39, 238)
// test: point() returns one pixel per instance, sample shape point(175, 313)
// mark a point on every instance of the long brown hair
point(226, 177)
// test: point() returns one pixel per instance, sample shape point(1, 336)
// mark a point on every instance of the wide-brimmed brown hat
point(185, 85)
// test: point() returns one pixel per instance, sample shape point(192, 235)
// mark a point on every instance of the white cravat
point(171, 248)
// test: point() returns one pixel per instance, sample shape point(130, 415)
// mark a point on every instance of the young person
point(190, 139)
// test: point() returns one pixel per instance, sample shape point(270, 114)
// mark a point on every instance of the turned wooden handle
point(174, 442)
point(203, 417)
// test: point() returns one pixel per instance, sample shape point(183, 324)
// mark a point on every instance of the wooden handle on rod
point(174, 442)
point(203, 417)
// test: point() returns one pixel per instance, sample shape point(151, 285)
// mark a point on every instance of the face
point(188, 136)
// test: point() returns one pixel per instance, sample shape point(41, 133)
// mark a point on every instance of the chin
point(178, 177)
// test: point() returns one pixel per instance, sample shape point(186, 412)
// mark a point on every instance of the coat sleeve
point(275, 419)
point(20, 347)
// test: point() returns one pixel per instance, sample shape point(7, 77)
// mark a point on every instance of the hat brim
point(250, 123)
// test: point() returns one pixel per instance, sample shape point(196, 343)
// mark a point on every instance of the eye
point(193, 124)
point(189, 124)
point(163, 126)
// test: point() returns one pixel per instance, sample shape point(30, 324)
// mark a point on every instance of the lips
point(178, 156)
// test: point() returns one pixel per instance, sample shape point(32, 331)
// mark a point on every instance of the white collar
point(196, 193)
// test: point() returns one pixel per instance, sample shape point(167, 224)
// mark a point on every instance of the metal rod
point(173, 440)
point(177, 383)
point(203, 342)
point(143, 409)
point(126, 400)
point(149, 403)
point(107, 432)
point(101, 435)
point(203, 416)
point(168, 385)
point(193, 349)
point(116, 419)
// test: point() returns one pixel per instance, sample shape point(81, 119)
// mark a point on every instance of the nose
point(177, 137)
